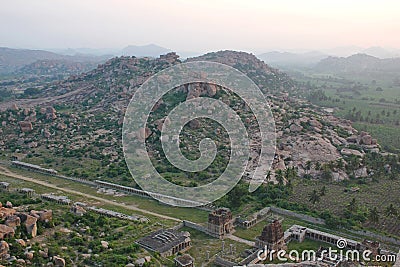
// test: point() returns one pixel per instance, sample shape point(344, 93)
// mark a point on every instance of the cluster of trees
point(377, 118)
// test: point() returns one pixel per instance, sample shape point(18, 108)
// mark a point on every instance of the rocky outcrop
point(26, 126)
point(361, 172)
point(351, 152)
point(13, 221)
point(4, 249)
point(42, 216)
point(6, 231)
point(195, 90)
point(143, 133)
point(30, 223)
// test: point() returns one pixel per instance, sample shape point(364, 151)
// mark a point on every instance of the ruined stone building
point(220, 223)
point(184, 261)
point(272, 237)
point(166, 242)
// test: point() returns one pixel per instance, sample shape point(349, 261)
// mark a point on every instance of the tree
point(314, 197)
point(352, 206)
point(323, 191)
point(279, 177)
point(268, 177)
point(308, 166)
point(373, 215)
point(391, 211)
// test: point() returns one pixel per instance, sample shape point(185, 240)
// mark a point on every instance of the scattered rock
point(4, 248)
point(295, 128)
point(26, 126)
point(361, 172)
point(43, 254)
point(29, 255)
point(104, 244)
point(21, 242)
point(9, 205)
point(366, 140)
point(58, 262)
point(13, 221)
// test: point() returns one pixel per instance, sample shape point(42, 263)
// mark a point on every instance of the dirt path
point(8, 173)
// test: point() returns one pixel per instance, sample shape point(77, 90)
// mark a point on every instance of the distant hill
point(292, 59)
point(358, 63)
point(150, 50)
point(55, 68)
point(380, 52)
point(13, 59)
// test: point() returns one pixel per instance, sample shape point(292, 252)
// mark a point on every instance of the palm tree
point(268, 177)
point(317, 165)
point(314, 197)
point(352, 206)
point(391, 211)
point(279, 177)
point(308, 166)
point(374, 215)
point(323, 191)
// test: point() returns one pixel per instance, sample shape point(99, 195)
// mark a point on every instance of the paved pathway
point(8, 173)
point(241, 240)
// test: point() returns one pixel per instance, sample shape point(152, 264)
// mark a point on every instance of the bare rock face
point(349, 152)
point(58, 262)
point(26, 126)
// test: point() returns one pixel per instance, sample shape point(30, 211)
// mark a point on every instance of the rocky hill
point(76, 123)
point(358, 63)
point(13, 59)
point(55, 68)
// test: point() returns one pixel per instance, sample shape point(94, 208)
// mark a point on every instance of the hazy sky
point(254, 25)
